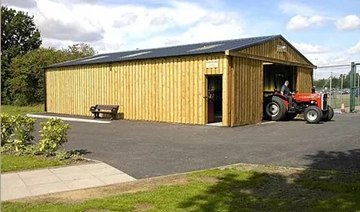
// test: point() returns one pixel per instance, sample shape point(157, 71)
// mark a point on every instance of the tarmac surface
point(149, 149)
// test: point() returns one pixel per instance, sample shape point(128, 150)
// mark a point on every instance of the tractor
point(314, 106)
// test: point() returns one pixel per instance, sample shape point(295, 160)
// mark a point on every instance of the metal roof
point(171, 51)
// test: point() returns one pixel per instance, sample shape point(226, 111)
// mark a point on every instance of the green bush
point(54, 134)
point(23, 129)
point(7, 128)
point(17, 130)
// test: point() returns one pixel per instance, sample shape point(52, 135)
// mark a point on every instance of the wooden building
point(222, 81)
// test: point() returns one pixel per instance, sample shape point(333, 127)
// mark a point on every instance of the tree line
point(23, 58)
point(336, 81)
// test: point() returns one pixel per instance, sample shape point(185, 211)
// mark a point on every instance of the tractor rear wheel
point(329, 114)
point(274, 108)
point(313, 114)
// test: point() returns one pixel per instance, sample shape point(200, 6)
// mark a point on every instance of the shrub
point(62, 155)
point(17, 130)
point(23, 129)
point(54, 134)
point(7, 128)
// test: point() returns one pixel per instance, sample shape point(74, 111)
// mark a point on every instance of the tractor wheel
point(274, 108)
point(329, 114)
point(313, 115)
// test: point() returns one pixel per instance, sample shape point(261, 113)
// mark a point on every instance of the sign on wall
point(212, 64)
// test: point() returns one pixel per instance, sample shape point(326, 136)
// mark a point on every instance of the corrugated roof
point(171, 51)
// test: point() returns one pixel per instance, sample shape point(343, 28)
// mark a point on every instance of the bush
point(16, 137)
point(17, 130)
point(7, 128)
point(23, 129)
point(54, 134)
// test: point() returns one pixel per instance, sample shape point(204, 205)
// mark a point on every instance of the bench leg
point(112, 116)
point(96, 115)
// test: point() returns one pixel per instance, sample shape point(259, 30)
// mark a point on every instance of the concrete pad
point(118, 178)
point(95, 166)
point(74, 176)
point(41, 180)
point(14, 193)
point(35, 173)
point(66, 170)
point(104, 172)
point(84, 183)
point(48, 188)
point(11, 181)
point(68, 119)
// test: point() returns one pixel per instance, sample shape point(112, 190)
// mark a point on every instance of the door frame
point(205, 94)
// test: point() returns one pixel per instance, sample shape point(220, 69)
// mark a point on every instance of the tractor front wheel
point(312, 115)
point(274, 108)
point(329, 114)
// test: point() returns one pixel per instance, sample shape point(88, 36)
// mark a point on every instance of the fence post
point(352, 86)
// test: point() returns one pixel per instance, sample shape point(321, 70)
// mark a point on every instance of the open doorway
point(275, 76)
point(214, 98)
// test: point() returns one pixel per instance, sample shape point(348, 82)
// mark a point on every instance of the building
point(222, 81)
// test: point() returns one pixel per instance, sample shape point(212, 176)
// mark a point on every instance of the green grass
point(219, 190)
point(14, 110)
point(19, 162)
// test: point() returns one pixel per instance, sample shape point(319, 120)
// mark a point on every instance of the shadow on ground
point(79, 152)
point(287, 190)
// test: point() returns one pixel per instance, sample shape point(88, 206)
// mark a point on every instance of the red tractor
point(314, 107)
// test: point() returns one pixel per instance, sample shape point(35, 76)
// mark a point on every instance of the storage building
point(223, 81)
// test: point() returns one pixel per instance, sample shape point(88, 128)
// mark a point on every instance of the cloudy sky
point(325, 31)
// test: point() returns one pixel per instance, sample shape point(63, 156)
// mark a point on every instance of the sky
point(327, 32)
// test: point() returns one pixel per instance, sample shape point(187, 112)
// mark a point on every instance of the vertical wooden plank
point(225, 94)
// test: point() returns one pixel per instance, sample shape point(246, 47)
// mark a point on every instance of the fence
point(336, 82)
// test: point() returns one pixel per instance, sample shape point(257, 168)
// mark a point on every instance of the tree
point(79, 50)
point(19, 35)
point(27, 84)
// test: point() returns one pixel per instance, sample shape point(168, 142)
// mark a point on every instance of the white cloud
point(127, 26)
point(355, 49)
point(310, 48)
point(349, 22)
point(291, 8)
point(300, 22)
point(20, 3)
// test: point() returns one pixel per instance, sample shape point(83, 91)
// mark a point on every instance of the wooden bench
point(105, 109)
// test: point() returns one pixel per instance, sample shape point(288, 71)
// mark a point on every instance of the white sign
point(212, 64)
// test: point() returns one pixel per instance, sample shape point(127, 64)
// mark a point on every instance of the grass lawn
point(242, 188)
point(13, 110)
point(17, 163)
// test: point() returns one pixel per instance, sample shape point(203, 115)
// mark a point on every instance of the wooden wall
point(247, 91)
point(167, 90)
point(304, 79)
point(269, 50)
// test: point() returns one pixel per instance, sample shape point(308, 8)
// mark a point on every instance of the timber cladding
point(167, 90)
point(304, 79)
point(247, 98)
point(268, 50)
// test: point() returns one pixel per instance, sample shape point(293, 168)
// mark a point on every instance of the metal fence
point(336, 84)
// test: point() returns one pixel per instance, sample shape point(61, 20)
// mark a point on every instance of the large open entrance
point(214, 99)
point(275, 76)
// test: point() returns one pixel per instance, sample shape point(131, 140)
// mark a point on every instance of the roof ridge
point(189, 44)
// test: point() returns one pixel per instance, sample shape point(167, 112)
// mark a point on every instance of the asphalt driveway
point(144, 149)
